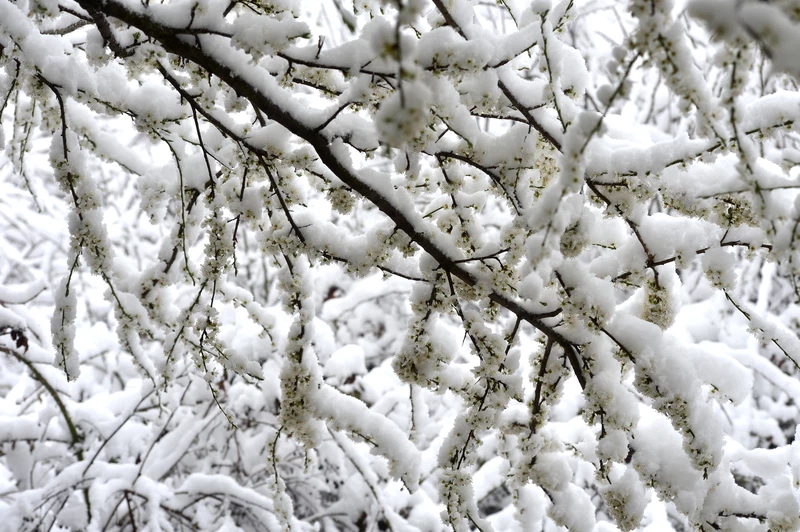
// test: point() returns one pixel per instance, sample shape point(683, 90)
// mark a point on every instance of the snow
point(626, 500)
point(573, 509)
point(442, 49)
point(349, 414)
point(266, 34)
point(348, 361)
point(402, 117)
point(779, 34)
point(399, 267)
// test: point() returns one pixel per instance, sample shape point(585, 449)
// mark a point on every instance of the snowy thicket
point(408, 265)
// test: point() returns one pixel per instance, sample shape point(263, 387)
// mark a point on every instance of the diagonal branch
point(168, 37)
